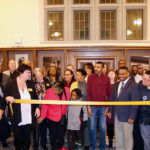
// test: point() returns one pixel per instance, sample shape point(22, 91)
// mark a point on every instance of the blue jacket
point(129, 93)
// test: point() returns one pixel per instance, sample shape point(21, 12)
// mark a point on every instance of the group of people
point(76, 124)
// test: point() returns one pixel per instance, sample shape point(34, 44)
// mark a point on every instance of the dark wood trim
point(5, 60)
point(125, 55)
point(35, 50)
point(76, 48)
point(65, 58)
point(34, 59)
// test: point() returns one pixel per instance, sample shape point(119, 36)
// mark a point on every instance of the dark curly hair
point(78, 92)
point(22, 68)
point(82, 71)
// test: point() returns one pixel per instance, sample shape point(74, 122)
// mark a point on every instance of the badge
point(47, 84)
point(144, 98)
point(30, 90)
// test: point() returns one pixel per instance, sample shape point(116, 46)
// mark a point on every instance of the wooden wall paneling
point(12, 54)
point(125, 55)
point(137, 52)
point(51, 55)
point(5, 60)
point(70, 54)
point(74, 56)
point(65, 58)
point(34, 53)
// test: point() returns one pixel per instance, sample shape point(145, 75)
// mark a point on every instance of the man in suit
point(124, 90)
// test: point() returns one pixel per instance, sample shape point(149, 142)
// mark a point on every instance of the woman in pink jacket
point(56, 114)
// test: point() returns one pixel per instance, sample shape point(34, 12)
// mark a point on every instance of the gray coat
point(74, 115)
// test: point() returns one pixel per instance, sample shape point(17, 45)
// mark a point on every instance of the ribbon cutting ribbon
point(56, 102)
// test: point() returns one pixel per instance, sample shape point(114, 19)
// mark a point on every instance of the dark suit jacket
point(12, 90)
point(2, 100)
point(129, 93)
point(7, 77)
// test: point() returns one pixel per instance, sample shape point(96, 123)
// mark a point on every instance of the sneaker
point(86, 147)
point(79, 146)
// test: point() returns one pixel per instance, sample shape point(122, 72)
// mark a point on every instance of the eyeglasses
point(146, 79)
point(67, 74)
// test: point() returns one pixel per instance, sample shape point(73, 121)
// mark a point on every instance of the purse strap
point(65, 93)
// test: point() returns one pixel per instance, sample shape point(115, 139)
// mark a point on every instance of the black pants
point(74, 136)
point(4, 129)
point(110, 131)
point(57, 133)
point(40, 134)
point(22, 136)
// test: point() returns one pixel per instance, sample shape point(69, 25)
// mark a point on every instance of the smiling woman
point(22, 116)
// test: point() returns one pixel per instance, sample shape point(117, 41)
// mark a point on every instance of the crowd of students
point(77, 124)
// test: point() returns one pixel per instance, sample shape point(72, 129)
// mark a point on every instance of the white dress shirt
point(120, 84)
point(138, 78)
point(25, 108)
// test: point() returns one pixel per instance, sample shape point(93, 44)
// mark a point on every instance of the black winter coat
point(144, 111)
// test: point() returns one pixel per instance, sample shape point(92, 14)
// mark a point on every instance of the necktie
point(122, 86)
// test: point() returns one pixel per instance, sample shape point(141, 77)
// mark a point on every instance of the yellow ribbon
point(56, 102)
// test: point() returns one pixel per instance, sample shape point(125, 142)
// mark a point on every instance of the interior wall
point(21, 21)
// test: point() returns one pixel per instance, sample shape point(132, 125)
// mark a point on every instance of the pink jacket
point(54, 112)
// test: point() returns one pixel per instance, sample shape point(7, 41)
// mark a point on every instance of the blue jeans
point(145, 132)
point(97, 111)
point(87, 134)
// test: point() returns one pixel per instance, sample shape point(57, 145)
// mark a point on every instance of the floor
point(11, 147)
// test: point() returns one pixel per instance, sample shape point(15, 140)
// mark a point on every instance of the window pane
point(81, 1)
point(81, 25)
point(55, 2)
point(76, 35)
point(107, 1)
point(134, 1)
point(55, 25)
point(134, 25)
point(108, 24)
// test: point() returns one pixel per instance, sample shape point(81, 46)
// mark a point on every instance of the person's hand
point(89, 111)
point(109, 115)
point(39, 120)
point(37, 113)
point(130, 121)
point(1, 114)
point(10, 99)
point(106, 112)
